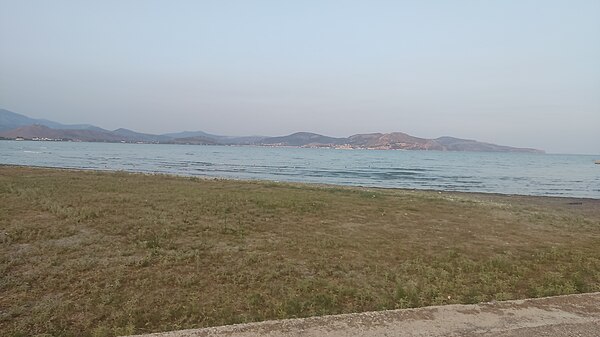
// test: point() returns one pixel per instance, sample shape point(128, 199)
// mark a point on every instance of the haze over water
point(523, 73)
point(506, 173)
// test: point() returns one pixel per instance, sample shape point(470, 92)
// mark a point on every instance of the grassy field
point(103, 254)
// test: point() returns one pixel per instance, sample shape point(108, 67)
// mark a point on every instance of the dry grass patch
point(104, 254)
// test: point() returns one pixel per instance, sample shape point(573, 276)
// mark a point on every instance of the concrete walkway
point(571, 315)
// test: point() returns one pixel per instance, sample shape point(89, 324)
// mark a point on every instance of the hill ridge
point(17, 126)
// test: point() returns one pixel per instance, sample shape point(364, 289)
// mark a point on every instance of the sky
point(512, 72)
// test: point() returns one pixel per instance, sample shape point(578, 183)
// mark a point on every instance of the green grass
point(103, 254)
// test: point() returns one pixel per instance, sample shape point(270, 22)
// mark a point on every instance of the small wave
point(415, 169)
point(542, 175)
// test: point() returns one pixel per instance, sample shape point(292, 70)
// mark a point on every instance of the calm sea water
point(507, 173)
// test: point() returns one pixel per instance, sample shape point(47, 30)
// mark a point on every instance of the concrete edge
point(446, 320)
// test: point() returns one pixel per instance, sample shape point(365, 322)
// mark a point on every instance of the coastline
point(485, 172)
point(298, 183)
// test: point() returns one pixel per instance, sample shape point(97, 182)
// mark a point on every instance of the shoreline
point(305, 147)
point(308, 184)
point(342, 146)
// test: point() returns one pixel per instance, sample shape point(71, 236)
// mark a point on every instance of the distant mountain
point(14, 125)
point(303, 139)
point(389, 141)
point(42, 131)
point(457, 144)
point(245, 140)
point(11, 120)
point(141, 137)
point(393, 141)
point(197, 140)
point(227, 140)
point(187, 134)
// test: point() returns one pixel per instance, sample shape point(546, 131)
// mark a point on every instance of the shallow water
point(507, 173)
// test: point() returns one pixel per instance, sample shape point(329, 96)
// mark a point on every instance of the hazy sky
point(522, 73)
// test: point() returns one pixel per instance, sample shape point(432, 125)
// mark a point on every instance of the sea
point(505, 173)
